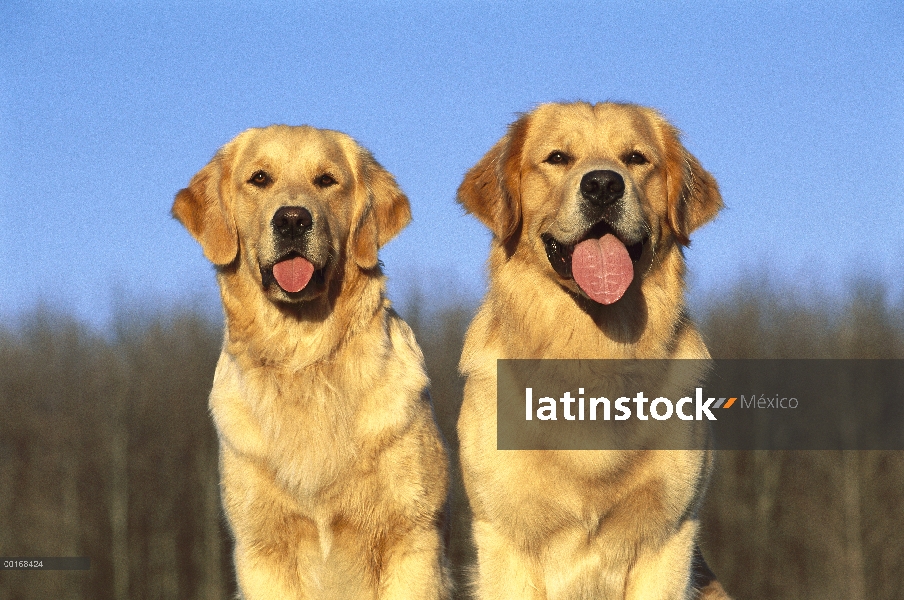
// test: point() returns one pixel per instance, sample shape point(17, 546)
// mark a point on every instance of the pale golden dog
point(334, 475)
point(589, 206)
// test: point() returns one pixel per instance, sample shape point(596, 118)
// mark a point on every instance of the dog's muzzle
point(602, 261)
point(294, 271)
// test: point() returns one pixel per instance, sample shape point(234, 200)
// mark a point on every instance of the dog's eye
point(325, 181)
point(260, 179)
point(557, 157)
point(635, 158)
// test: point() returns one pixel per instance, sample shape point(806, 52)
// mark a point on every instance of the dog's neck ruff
point(640, 324)
point(296, 336)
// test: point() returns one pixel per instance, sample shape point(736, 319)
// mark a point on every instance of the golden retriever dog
point(589, 206)
point(334, 475)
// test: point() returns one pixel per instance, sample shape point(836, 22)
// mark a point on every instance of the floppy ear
point(491, 190)
point(205, 212)
point(385, 213)
point(693, 194)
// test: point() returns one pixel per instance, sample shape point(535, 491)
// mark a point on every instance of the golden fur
point(582, 524)
point(334, 475)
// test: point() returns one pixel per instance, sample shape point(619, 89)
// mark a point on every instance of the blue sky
point(108, 108)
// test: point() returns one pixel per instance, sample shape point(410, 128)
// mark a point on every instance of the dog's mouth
point(600, 263)
point(295, 275)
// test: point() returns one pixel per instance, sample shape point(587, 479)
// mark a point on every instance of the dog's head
point(592, 192)
point(298, 206)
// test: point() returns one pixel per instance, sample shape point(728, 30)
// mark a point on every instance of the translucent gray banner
point(693, 404)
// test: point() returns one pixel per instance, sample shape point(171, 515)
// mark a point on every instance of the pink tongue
point(602, 268)
point(293, 274)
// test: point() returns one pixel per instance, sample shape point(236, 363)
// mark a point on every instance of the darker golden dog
point(334, 476)
point(589, 206)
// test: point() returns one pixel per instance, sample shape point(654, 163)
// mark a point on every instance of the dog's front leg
point(504, 572)
point(665, 572)
point(414, 569)
point(272, 542)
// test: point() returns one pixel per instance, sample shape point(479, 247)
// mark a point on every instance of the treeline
point(807, 525)
point(107, 451)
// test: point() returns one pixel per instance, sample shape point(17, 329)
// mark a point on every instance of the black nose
point(290, 221)
point(602, 187)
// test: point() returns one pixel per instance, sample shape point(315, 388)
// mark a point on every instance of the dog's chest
point(311, 436)
point(298, 424)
